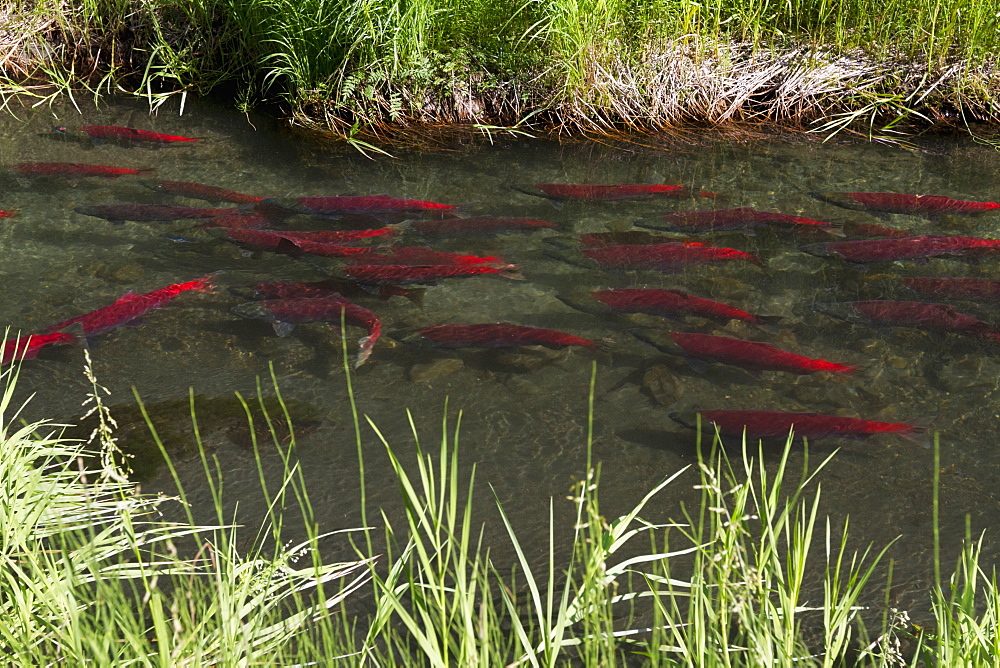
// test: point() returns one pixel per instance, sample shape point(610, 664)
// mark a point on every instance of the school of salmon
point(378, 242)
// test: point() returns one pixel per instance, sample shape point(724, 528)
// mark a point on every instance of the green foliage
point(378, 61)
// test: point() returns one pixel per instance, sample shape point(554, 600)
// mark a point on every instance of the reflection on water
point(524, 422)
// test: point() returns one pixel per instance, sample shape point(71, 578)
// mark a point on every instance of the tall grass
point(91, 575)
point(586, 63)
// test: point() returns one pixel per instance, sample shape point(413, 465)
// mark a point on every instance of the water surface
point(524, 415)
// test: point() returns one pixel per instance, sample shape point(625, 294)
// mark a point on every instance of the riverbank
point(350, 66)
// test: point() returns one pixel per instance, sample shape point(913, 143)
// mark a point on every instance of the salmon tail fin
point(367, 343)
point(919, 436)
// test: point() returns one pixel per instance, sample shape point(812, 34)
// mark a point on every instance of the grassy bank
point(572, 65)
point(92, 576)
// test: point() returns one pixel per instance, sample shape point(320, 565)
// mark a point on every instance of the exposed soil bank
point(528, 71)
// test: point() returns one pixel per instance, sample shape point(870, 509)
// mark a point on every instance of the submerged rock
point(662, 384)
point(425, 373)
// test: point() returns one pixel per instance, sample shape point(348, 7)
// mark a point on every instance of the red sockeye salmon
point(500, 335)
point(925, 205)
point(129, 134)
point(670, 304)
point(405, 274)
point(284, 313)
point(853, 229)
point(72, 169)
point(919, 315)
point(28, 347)
point(481, 226)
point(7, 214)
point(331, 250)
point(753, 356)
point(269, 240)
point(976, 289)
point(130, 306)
point(200, 191)
point(260, 240)
point(903, 248)
point(335, 236)
point(576, 191)
point(778, 424)
point(150, 212)
point(664, 257)
point(420, 256)
point(365, 204)
point(713, 220)
point(242, 221)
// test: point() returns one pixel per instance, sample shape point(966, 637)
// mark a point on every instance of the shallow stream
point(524, 412)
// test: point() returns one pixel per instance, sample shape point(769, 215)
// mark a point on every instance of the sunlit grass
point(93, 575)
point(592, 64)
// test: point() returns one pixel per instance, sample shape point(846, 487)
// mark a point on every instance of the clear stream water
point(524, 415)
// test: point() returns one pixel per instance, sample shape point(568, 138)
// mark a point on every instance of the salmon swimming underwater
point(335, 236)
point(150, 212)
point(363, 204)
point(7, 214)
point(578, 191)
point(753, 356)
point(976, 289)
point(924, 205)
point(284, 313)
point(663, 257)
point(406, 274)
point(130, 306)
point(73, 169)
point(918, 315)
point(240, 221)
point(128, 134)
point(778, 424)
point(501, 335)
point(421, 256)
point(277, 242)
point(200, 191)
point(28, 347)
point(715, 220)
point(903, 248)
point(671, 304)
